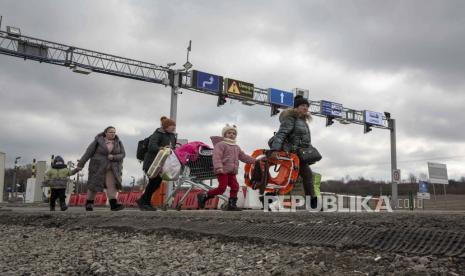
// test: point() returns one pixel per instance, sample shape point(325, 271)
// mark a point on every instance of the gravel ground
point(35, 242)
point(55, 251)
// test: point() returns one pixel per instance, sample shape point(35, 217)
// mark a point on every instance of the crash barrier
point(73, 199)
point(82, 199)
point(133, 196)
point(100, 199)
point(122, 197)
point(190, 201)
point(128, 199)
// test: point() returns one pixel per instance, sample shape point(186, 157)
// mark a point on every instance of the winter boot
point(313, 202)
point(52, 205)
point(89, 205)
point(232, 205)
point(63, 206)
point(115, 206)
point(144, 206)
point(202, 199)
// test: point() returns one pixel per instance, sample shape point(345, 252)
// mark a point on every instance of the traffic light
point(367, 128)
point(33, 168)
point(274, 110)
point(221, 100)
point(73, 187)
point(329, 121)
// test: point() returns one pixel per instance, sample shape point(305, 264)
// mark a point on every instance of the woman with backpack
point(294, 136)
point(106, 154)
point(165, 136)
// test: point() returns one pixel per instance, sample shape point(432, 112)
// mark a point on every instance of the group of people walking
point(106, 154)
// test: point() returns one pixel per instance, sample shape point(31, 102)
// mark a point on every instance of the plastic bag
point(171, 168)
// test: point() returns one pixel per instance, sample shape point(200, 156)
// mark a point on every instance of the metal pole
point(14, 182)
point(174, 96)
point(392, 123)
point(78, 188)
point(445, 195)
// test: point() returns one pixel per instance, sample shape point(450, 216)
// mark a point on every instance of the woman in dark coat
point(106, 154)
point(294, 134)
point(162, 137)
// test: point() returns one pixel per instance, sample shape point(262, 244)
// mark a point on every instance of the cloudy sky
point(405, 57)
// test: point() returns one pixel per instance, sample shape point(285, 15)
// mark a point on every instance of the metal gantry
point(86, 61)
point(80, 59)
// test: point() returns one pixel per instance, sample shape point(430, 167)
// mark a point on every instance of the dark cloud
point(396, 56)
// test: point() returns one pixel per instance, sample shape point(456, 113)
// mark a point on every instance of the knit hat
point(227, 128)
point(58, 163)
point(299, 100)
point(166, 122)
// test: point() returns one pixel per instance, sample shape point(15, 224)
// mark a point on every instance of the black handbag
point(309, 155)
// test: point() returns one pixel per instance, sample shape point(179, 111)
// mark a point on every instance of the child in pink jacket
point(226, 156)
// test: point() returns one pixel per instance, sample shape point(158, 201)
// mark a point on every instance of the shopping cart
point(199, 168)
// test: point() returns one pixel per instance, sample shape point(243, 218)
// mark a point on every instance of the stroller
point(197, 169)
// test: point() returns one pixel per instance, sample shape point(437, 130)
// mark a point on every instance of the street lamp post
point(15, 189)
point(133, 182)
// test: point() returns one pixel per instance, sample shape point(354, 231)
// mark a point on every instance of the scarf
point(229, 141)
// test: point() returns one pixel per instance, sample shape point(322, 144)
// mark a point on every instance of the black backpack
point(142, 148)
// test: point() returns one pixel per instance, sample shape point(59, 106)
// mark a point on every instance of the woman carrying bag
point(294, 136)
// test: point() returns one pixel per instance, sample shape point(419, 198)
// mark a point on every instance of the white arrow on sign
point(210, 82)
point(282, 97)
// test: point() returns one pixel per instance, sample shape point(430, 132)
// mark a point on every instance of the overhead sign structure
point(374, 118)
point(280, 97)
point(331, 109)
point(396, 176)
point(207, 82)
point(437, 173)
point(239, 88)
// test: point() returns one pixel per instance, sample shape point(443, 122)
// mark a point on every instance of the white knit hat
point(228, 127)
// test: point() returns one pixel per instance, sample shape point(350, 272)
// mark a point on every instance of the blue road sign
point(281, 98)
point(331, 109)
point(207, 82)
point(374, 118)
point(423, 187)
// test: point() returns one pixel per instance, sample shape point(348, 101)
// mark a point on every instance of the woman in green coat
point(294, 134)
